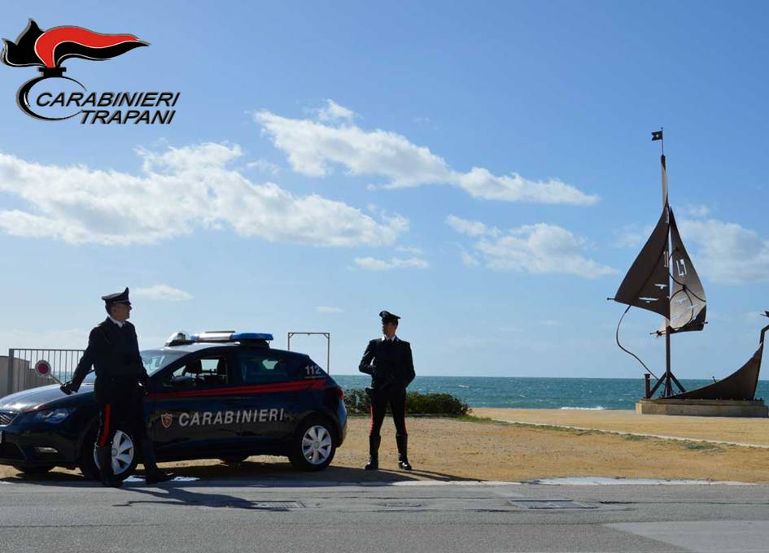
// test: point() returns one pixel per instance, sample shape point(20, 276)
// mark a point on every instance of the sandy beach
point(523, 445)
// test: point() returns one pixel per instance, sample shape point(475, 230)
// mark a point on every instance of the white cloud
point(550, 322)
point(469, 228)
point(413, 250)
point(633, 236)
point(328, 309)
point(374, 264)
point(469, 260)
point(537, 249)
point(480, 183)
point(695, 211)
point(726, 252)
point(177, 191)
point(162, 292)
point(335, 112)
point(264, 166)
point(313, 147)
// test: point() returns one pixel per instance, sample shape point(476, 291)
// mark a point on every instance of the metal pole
point(668, 373)
point(663, 163)
point(10, 370)
point(328, 352)
point(328, 344)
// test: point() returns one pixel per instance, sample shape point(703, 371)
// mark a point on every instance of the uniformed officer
point(113, 351)
point(388, 360)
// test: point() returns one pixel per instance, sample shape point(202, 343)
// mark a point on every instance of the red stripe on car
point(244, 390)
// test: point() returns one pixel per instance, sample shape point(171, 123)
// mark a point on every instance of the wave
point(599, 408)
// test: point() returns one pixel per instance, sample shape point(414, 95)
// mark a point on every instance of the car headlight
point(52, 416)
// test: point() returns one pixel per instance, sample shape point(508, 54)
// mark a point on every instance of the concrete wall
point(702, 407)
point(20, 377)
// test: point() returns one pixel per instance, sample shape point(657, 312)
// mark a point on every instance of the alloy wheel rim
point(316, 445)
point(123, 452)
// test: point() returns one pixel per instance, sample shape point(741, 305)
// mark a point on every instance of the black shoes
point(112, 482)
point(104, 458)
point(156, 476)
point(373, 453)
point(403, 447)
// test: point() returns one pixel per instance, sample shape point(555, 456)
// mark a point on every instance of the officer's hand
point(68, 388)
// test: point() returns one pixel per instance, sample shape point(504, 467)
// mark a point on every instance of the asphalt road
point(290, 515)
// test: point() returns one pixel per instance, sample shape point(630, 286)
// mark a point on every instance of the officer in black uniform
point(113, 351)
point(388, 360)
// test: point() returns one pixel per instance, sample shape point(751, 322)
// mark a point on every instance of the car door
point(270, 403)
point(190, 410)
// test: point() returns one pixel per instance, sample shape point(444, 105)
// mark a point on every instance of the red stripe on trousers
point(371, 419)
point(104, 436)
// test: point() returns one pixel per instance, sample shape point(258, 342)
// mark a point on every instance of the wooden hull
point(739, 386)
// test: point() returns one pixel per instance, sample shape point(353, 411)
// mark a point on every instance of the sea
point(536, 393)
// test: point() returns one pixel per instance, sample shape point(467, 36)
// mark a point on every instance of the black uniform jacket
point(114, 354)
point(389, 363)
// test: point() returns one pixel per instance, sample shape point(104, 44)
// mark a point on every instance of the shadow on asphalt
point(249, 473)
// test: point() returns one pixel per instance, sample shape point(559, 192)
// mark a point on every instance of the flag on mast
point(657, 135)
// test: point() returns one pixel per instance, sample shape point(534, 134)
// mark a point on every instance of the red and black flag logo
point(48, 49)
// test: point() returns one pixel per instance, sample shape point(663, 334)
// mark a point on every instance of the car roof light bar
point(179, 338)
point(241, 336)
point(230, 336)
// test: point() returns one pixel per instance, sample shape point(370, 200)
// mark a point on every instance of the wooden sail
point(687, 302)
point(646, 283)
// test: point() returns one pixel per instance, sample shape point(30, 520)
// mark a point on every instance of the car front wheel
point(313, 446)
point(124, 455)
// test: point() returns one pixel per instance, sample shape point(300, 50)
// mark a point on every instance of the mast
point(668, 379)
point(663, 165)
point(662, 279)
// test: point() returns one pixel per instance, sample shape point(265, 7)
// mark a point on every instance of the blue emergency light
point(242, 336)
point(231, 336)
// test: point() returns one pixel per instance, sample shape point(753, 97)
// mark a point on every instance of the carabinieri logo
point(48, 49)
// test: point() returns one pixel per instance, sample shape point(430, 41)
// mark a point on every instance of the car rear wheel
point(313, 446)
point(124, 456)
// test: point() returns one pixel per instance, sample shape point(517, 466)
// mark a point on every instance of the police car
point(219, 394)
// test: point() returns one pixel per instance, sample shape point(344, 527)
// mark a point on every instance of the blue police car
point(219, 394)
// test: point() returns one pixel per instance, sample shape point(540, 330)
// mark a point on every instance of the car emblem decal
point(166, 419)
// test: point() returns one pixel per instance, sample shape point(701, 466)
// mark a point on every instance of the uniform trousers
point(121, 407)
point(395, 397)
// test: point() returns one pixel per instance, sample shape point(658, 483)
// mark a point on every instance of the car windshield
point(156, 359)
point(152, 359)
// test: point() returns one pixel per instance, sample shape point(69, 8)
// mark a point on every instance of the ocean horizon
point(536, 393)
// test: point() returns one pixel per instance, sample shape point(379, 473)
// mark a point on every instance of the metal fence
point(20, 371)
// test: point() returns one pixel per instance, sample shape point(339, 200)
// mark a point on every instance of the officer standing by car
point(113, 351)
point(389, 362)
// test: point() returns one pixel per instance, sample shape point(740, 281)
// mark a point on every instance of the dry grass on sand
point(480, 449)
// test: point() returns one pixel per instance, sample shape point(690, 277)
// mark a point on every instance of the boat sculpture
point(663, 279)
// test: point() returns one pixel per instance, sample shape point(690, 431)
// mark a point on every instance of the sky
point(485, 170)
